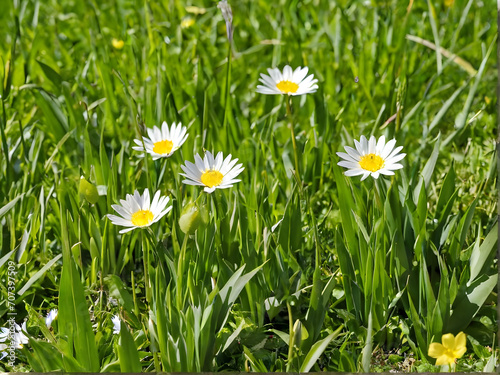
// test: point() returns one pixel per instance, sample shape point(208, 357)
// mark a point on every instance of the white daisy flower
point(50, 317)
point(116, 324)
point(162, 142)
point(212, 173)
point(371, 158)
point(18, 338)
point(138, 211)
point(289, 82)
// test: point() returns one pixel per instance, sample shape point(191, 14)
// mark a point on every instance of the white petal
point(380, 145)
point(154, 203)
point(287, 73)
point(348, 164)
point(267, 91)
point(355, 172)
point(372, 145)
point(365, 176)
point(146, 201)
point(218, 161)
point(353, 153)
point(209, 190)
point(194, 183)
point(122, 211)
point(275, 75)
point(387, 148)
point(127, 230)
point(386, 172)
point(395, 159)
point(299, 74)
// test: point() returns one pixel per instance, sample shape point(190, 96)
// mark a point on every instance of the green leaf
point(257, 364)
point(127, 351)
point(346, 204)
point(366, 353)
point(320, 298)
point(74, 318)
point(461, 118)
point(481, 254)
point(470, 300)
point(49, 161)
point(6, 257)
point(446, 194)
point(39, 274)
point(95, 104)
point(55, 119)
point(45, 357)
point(119, 291)
point(428, 170)
point(51, 74)
point(446, 106)
point(236, 283)
point(491, 364)
point(317, 349)
point(87, 191)
point(460, 233)
point(282, 335)
point(9, 205)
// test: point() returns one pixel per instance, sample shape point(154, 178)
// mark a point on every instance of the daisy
point(371, 158)
point(162, 143)
point(212, 173)
point(138, 212)
point(17, 337)
point(289, 82)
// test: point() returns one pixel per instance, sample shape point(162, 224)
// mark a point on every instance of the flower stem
point(145, 250)
point(294, 143)
point(157, 362)
point(180, 273)
point(290, 333)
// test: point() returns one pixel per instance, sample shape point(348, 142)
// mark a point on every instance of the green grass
point(357, 274)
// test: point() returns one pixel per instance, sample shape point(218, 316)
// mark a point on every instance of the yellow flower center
point(211, 178)
point(163, 147)
point(287, 87)
point(371, 162)
point(142, 217)
point(450, 355)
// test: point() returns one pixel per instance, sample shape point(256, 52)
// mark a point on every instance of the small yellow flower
point(449, 3)
point(187, 23)
point(195, 10)
point(451, 348)
point(117, 43)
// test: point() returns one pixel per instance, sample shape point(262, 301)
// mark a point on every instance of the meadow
point(296, 264)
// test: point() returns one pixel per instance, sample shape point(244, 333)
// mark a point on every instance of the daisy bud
point(192, 217)
point(228, 17)
point(297, 333)
point(87, 191)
